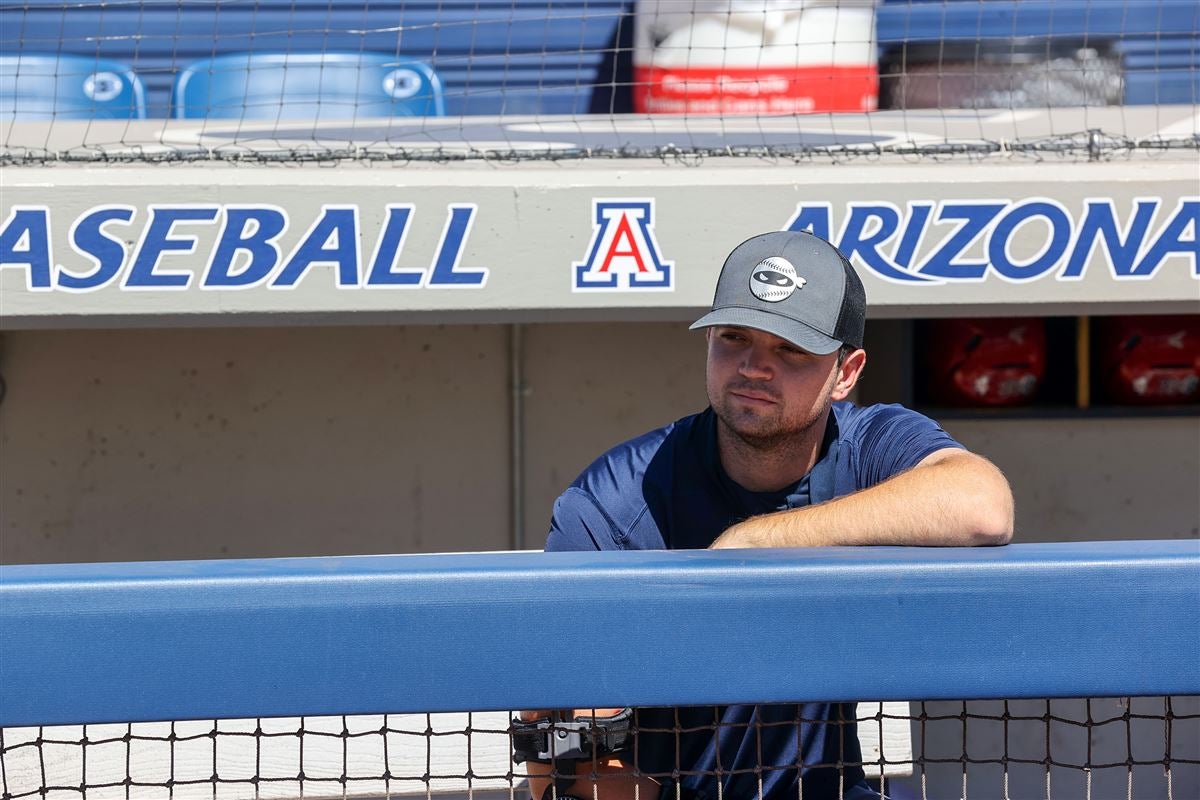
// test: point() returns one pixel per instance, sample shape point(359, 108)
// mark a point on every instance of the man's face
point(765, 389)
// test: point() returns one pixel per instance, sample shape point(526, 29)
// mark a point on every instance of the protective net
point(281, 80)
point(1096, 748)
point(719, 706)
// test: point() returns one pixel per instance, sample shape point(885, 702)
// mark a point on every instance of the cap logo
point(774, 279)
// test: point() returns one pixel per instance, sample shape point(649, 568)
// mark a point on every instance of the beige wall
point(592, 386)
point(129, 445)
point(1091, 479)
point(210, 443)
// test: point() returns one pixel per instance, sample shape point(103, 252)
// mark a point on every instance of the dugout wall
point(150, 417)
point(210, 443)
point(225, 360)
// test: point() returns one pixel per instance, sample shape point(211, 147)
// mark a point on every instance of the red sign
point(756, 90)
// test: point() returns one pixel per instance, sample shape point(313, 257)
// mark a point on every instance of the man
point(778, 460)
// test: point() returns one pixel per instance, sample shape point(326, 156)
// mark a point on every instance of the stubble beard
point(770, 434)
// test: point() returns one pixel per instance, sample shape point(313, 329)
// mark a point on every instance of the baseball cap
point(794, 285)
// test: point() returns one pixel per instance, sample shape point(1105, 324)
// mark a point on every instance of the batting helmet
point(1149, 360)
point(986, 362)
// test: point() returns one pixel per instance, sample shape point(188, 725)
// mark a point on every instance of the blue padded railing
point(359, 635)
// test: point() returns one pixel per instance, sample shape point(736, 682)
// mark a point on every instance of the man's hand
point(952, 498)
point(614, 778)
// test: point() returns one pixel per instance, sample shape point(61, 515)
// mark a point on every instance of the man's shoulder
point(854, 419)
point(628, 462)
point(608, 505)
point(889, 426)
point(882, 440)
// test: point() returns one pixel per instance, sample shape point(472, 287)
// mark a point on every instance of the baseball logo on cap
point(774, 279)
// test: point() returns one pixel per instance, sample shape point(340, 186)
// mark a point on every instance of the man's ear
point(848, 373)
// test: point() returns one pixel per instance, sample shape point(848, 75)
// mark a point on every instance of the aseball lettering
point(245, 253)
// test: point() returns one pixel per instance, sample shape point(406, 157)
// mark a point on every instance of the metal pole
point(516, 364)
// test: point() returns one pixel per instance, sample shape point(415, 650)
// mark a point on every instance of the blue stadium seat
point(492, 56)
point(1158, 40)
point(37, 86)
point(1161, 70)
point(323, 86)
point(565, 56)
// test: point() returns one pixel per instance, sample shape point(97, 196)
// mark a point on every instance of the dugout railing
point(406, 635)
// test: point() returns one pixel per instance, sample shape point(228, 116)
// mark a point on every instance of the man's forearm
point(959, 499)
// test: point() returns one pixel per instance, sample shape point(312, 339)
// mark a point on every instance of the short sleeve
point(578, 523)
point(893, 439)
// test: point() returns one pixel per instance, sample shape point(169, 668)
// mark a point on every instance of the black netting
point(1063, 748)
point(403, 80)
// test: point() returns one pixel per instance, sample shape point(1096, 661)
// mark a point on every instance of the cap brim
point(795, 332)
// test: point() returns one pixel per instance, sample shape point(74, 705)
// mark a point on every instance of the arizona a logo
point(623, 254)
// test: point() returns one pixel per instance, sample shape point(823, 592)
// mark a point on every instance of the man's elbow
point(994, 532)
point(993, 517)
point(982, 506)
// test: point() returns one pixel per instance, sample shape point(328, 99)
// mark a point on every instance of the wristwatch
point(550, 739)
point(547, 740)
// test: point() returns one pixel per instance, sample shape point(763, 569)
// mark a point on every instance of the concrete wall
point(210, 443)
point(134, 444)
point(1091, 479)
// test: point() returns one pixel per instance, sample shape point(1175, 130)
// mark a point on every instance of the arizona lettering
point(964, 241)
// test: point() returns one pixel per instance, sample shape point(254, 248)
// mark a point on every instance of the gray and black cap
point(794, 285)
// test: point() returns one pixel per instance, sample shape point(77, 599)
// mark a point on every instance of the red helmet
point(1148, 360)
point(986, 362)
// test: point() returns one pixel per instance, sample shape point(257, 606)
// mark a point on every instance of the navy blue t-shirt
point(667, 490)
